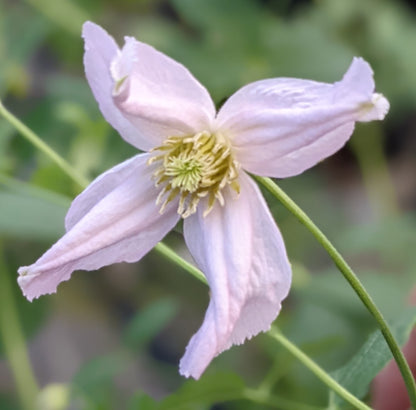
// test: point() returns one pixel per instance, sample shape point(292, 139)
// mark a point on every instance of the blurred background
point(112, 339)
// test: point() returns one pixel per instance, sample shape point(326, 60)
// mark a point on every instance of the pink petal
point(281, 127)
point(159, 95)
point(114, 220)
point(100, 51)
point(241, 252)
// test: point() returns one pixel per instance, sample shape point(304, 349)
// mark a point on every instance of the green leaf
point(7, 403)
point(209, 390)
point(66, 14)
point(376, 237)
point(358, 373)
point(148, 322)
point(94, 382)
point(29, 212)
point(141, 401)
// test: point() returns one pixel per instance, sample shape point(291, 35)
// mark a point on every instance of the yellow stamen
point(194, 167)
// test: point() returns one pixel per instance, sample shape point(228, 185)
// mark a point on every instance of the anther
point(194, 167)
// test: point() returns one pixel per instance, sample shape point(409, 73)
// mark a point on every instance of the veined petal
point(241, 252)
point(114, 220)
point(158, 95)
point(281, 127)
point(100, 51)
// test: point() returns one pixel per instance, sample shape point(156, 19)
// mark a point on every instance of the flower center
point(194, 167)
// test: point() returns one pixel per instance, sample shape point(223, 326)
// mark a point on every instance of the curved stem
point(352, 279)
point(42, 146)
point(169, 253)
point(317, 370)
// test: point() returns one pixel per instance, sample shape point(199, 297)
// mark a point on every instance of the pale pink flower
point(195, 168)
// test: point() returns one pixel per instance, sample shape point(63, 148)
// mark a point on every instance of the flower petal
point(280, 127)
point(114, 220)
point(100, 51)
point(157, 94)
point(241, 251)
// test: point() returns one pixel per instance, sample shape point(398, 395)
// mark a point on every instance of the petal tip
point(376, 109)
point(183, 371)
point(32, 287)
point(381, 105)
point(89, 28)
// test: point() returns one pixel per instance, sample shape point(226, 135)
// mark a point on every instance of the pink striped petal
point(114, 220)
point(281, 127)
point(241, 252)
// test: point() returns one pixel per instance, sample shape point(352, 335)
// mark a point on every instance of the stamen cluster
point(194, 167)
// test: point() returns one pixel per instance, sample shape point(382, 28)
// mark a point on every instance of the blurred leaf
point(30, 212)
point(208, 390)
point(50, 176)
point(384, 32)
point(21, 33)
point(65, 13)
point(24, 32)
point(70, 89)
point(328, 308)
point(29, 315)
point(358, 373)
point(224, 59)
point(148, 322)
point(141, 401)
point(94, 382)
point(377, 238)
point(6, 403)
point(6, 132)
point(89, 144)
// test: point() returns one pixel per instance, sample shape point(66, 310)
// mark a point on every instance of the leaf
point(66, 14)
point(148, 322)
point(95, 380)
point(358, 373)
point(141, 401)
point(209, 390)
point(376, 237)
point(30, 212)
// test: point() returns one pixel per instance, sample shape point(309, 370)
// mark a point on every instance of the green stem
point(174, 257)
point(42, 146)
point(317, 370)
point(14, 342)
point(353, 280)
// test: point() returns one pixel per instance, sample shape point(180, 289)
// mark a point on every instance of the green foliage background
point(112, 339)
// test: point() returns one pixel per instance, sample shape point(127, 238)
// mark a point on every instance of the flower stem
point(169, 253)
point(317, 370)
point(42, 146)
point(353, 280)
point(14, 343)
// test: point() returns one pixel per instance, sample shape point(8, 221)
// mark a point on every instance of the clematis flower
point(195, 167)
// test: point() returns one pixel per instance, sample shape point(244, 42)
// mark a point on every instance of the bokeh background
point(112, 339)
